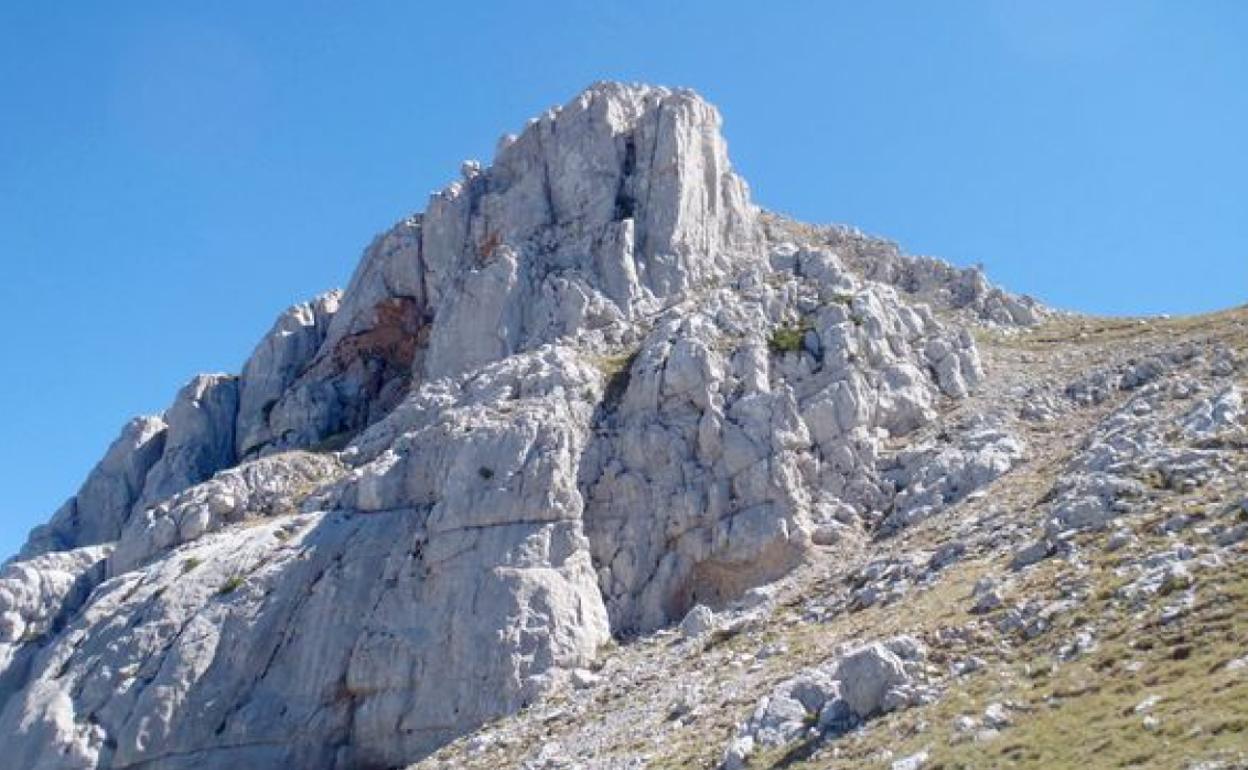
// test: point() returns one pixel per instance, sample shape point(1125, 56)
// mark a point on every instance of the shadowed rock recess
point(592, 390)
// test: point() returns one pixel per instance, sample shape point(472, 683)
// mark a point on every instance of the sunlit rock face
point(586, 389)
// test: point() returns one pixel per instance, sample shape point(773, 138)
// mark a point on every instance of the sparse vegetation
point(885, 481)
point(788, 339)
point(333, 443)
point(1085, 712)
point(613, 365)
point(615, 369)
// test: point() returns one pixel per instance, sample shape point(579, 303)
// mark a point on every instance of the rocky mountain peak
point(590, 392)
point(598, 210)
point(639, 168)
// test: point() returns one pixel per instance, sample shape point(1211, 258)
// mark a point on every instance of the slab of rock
point(1215, 414)
point(37, 596)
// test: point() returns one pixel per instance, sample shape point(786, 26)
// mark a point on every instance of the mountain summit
point(589, 393)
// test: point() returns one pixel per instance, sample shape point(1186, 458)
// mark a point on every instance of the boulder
point(832, 698)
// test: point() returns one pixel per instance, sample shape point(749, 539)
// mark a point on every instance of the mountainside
point(596, 464)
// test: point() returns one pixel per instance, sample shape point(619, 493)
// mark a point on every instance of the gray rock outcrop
point(590, 387)
point(825, 701)
point(97, 513)
point(277, 362)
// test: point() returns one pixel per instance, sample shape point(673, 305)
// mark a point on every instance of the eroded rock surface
point(824, 701)
point(590, 387)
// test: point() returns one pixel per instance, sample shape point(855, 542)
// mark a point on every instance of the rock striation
point(590, 387)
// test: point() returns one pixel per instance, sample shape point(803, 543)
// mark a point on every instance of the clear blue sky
point(174, 174)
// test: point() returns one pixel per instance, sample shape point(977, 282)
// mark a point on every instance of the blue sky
point(172, 175)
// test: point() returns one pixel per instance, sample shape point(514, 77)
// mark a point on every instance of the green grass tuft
point(788, 339)
point(230, 586)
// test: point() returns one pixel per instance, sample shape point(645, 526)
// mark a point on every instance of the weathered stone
point(832, 698)
point(280, 358)
point(102, 506)
point(866, 676)
point(584, 392)
point(697, 622)
point(200, 437)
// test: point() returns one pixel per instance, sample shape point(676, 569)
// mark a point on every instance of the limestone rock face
point(36, 596)
point(721, 443)
point(200, 438)
point(279, 360)
point(368, 344)
point(596, 211)
point(270, 486)
point(590, 387)
point(97, 513)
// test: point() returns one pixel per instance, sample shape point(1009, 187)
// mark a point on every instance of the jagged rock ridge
point(589, 387)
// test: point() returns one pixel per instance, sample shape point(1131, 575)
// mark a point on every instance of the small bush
point(190, 564)
point(788, 339)
point(485, 473)
point(233, 584)
point(333, 443)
